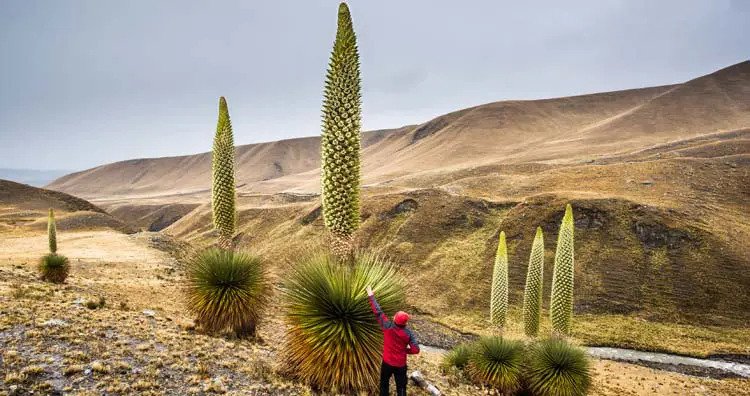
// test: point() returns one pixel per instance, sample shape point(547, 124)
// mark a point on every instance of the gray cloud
point(87, 82)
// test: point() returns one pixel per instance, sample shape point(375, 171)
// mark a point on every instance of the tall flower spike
point(340, 140)
point(532, 296)
point(52, 231)
point(223, 195)
point(561, 301)
point(499, 297)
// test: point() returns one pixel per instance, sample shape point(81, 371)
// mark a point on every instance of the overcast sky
point(83, 83)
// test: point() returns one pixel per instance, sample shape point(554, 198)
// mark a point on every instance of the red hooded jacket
point(397, 341)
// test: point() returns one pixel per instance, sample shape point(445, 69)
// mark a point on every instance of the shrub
point(54, 268)
point(457, 357)
point(498, 363)
point(556, 368)
point(227, 289)
point(334, 342)
point(340, 139)
point(499, 293)
point(532, 296)
point(561, 301)
point(223, 195)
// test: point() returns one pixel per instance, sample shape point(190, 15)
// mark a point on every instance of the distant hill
point(23, 206)
point(32, 177)
point(561, 130)
point(659, 179)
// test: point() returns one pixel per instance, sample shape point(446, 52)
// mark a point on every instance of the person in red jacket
point(398, 341)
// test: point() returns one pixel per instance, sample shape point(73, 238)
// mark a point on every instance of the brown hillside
point(659, 179)
point(25, 207)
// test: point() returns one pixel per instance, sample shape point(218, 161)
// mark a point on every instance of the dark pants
point(386, 371)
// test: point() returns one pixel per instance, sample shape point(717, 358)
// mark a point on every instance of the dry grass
point(113, 350)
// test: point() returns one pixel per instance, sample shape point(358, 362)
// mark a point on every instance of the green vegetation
point(52, 231)
point(334, 342)
point(340, 140)
point(543, 368)
point(497, 362)
point(54, 268)
point(223, 195)
point(227, 290)
point(561, 301)
point(556, 368)
point(499, 293)
point(532, 296)
point(457, 357)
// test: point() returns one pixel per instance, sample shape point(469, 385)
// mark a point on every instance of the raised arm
point(382, 317)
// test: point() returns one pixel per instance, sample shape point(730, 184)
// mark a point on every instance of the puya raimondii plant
point(532, 296)
point(561, 301)
point(499, 293)
point(223, 194)
point(226, 289)
point(53, 267)
point(52, 231)
point(340, 140)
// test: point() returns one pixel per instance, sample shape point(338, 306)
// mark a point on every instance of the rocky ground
point(118, 327)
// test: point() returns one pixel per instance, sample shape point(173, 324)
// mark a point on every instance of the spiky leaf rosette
point(556, 368)
point(340, 141)
point(532, 295)
point(227, 289)
point(498, 363)
point(499, 293)
point(334, 342)
point(54, 268)
point(223, 193)
point(457, 357)
point(52, 231)
point(561, 301)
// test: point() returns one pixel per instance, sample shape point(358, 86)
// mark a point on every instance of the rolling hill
point(23, 207)
point(659, 179)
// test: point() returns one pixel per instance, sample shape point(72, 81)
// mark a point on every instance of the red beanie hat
point(400, 318)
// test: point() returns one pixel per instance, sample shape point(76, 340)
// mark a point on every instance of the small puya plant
point(53, 267)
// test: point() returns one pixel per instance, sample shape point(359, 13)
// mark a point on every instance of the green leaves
point(223, 195)
point(52, 231)
point(457, 357)
point(497, 362)
point(556, 368)
point(499, 294)
point(335, 342)
point(54, 268)
point(561, 302)
point(227, 289)
point(340, 140)
point(532, 296)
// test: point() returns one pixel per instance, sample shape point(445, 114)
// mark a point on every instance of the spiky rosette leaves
point(227, 289)
point(498, 363)
point(499, 293)
point(556, 368)
point(223, 195)
point(561, 301)
point(457, 357)
point(54, 268)
point(52, 231)
point(334, 342)
point(340, 141)
point(532, 295)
